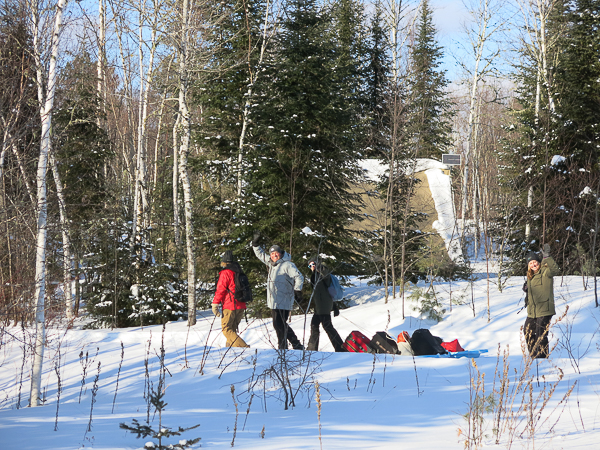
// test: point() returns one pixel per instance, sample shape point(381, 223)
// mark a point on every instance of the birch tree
point(66, 240)
point(394, 13)
point(46, 84)
point(485, 24)
point(184, 148)
point(140, 196)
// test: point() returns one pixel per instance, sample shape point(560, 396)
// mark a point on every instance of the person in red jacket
point(233, 310)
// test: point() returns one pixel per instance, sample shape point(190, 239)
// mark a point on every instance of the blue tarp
point(463, 354)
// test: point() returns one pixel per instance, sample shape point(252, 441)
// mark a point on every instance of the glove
point(336, 310)
point(546, 251)
point(298, 296)
point(255, 238)
point(215, 310)
point(525, 287)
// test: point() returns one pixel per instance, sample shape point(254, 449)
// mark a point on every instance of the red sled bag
point(452, 346)
point(358, 343)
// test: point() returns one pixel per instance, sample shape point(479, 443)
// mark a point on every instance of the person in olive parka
point(320, 278)
point(540, 301)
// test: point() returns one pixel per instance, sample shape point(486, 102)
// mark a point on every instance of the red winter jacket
point(226, 290)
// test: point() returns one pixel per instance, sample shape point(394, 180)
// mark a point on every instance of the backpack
point(335, 290)
point(424, 343)
point(243, 291)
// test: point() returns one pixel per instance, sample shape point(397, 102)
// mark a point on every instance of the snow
point(373, 169)
point(367, 401)
point(446, 226)
point(441, 191)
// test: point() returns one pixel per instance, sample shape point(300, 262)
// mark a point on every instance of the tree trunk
point(140, 210)
point(66, 244)
point(176, 206)
point(46, 99)
point(184, 116)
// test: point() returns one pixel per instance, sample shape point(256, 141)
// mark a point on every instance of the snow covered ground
point(96, 379)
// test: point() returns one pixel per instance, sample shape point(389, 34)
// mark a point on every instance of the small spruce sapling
point(143, 430)
point(428, 304)
point(156, 398)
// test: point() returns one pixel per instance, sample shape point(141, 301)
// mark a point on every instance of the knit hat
point(316, 262)
point(276, 248)
point(227, 257)
point(531, 256)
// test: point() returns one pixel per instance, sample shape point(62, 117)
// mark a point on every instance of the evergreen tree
point(429, 105)
point(82, 146)
point(304, 156)
point(577, 79)
point(352, 57)
point(236, 41)
point(551, 155)
point(577, 187)
point(377, 88)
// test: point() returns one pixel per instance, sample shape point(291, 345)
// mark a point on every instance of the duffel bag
point(384, 343)
point(358, 343)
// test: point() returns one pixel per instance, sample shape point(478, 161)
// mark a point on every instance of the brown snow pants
point(229, 324)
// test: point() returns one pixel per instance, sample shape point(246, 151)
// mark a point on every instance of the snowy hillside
point(96, 379)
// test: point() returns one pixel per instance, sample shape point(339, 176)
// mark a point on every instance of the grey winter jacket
point(283, 279)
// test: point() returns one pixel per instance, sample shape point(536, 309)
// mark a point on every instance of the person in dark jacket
point(320, 279)
point(540, 301)
point(284, 284)
point(233, 310)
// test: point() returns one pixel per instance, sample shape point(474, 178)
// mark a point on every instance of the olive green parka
point(540, 290)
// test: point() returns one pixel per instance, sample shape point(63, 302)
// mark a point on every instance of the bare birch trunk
point(3, 155)
point(393, 19)
point(66, 244)
point(483, 14)
point(157, 144)
point(176, 206)
point(28, 186)
point(46, 99)
point(101, 56)
point(140, 210)
point(184, 116)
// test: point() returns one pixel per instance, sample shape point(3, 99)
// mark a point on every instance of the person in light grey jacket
point(284, 284)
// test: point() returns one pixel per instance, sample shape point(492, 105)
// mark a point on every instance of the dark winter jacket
point(225, 293)
point(321, 300)
point(540, 290)
point(283, 279)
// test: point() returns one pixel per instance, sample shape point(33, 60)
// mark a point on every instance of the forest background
point(140, 140)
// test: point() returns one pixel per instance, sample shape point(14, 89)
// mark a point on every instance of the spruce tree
point(304, 153)
point(378, 90)
point(578, 78)
point(222, 95)
point(82, 146)
point(429, 104)
point(551, 154)
point(349, 34)
point(574, 223)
